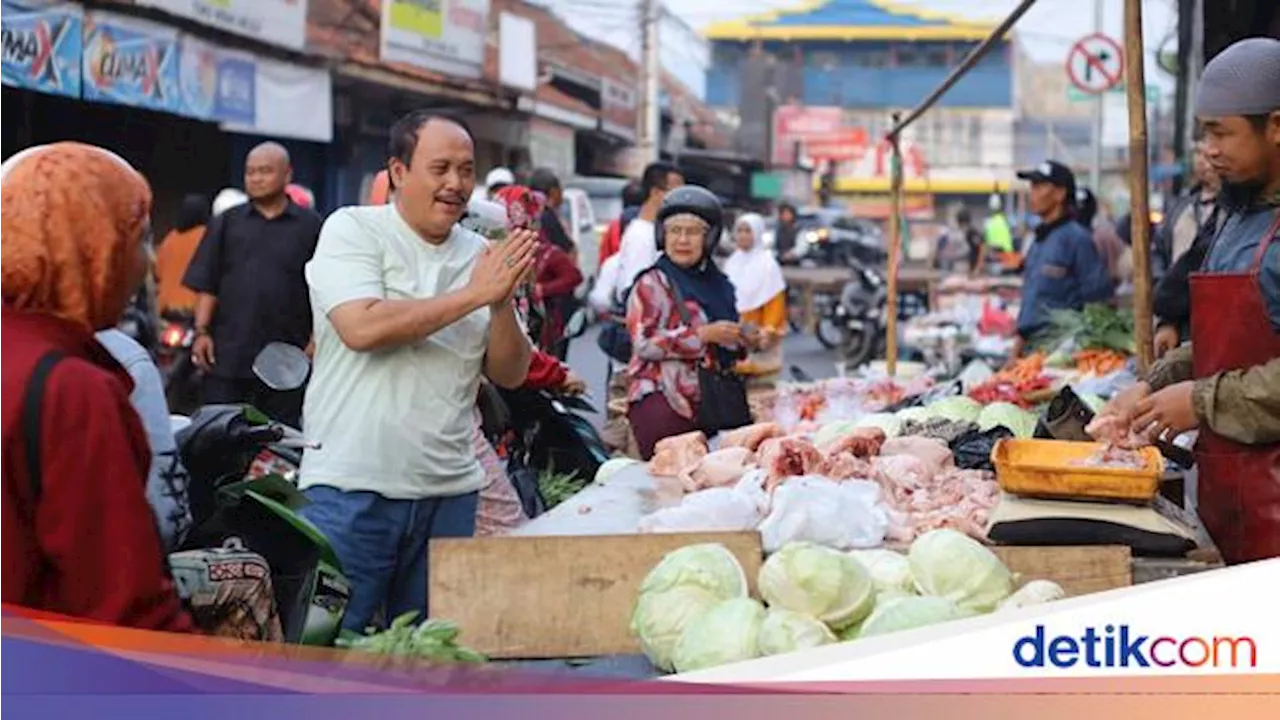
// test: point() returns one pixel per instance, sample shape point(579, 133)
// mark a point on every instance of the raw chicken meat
point(1114, 456)
point(674, 454)
point(751, 436)
point(846, 466)
point(787, 457)
point(934, 453)
point(1114, 431)
point(862, 442)
point(718, 469)
point(922, 499)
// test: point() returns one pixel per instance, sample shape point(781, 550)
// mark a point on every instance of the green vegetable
point(707, 565)
point(952, 565)
point(434, 640)
point(1022, 423)
point(888, 422)
point(612, 466)
point(558, 487)
point(909, 612)
point(818, 581)
point(660, 618)
point(727, 633)
point(890, 571)
point(960, 408)
point(785, 631)
point(1098, 326)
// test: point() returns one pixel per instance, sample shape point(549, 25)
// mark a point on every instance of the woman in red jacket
point(79, 536)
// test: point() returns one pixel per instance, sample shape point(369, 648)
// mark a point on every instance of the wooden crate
point(556, 596)
point(1079, 570)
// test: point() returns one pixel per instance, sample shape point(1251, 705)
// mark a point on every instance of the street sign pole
point(1095, 175)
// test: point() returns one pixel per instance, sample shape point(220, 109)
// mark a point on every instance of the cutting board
point(1079, 570)
point(556, 596)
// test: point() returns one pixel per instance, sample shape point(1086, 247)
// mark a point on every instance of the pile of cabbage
point(694, 610)
point(955, 408)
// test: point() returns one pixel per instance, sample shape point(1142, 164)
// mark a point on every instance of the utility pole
point(1095, 176)
point(650, 130)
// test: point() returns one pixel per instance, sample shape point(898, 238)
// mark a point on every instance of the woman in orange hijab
point(79, 538)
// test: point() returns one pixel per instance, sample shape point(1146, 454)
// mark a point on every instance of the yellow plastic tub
point(1051, 469)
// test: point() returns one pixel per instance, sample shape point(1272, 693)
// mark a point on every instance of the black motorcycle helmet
point(694, 200)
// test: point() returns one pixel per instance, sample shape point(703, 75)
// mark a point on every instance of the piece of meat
point(721, 468)
point(934, 453)
point(787, 457)
point(861, 442)
point(751, 436)
point(674, 454)
point(1114, 431)
point(846, 466)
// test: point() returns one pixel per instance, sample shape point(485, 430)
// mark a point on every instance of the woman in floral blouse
point(669, 345)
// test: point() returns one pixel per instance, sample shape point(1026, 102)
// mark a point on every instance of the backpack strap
point(32, 417)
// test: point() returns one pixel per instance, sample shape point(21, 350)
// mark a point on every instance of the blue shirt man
point(1062, 270)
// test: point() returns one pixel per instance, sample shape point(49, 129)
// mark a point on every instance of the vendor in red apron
point(1227, 382)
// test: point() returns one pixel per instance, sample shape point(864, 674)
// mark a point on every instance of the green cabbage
point(727, 633)
point(959, 408)
point(1022, 423)
point(888, 422)
point(660, 617)
point(785, 631)
point(818, 581)
point(912, 414)
point(909, 612)
point(707, 565)
point(890, 571)
point(952, 565)
point(1036, 592)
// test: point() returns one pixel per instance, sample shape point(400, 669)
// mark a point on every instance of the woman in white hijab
point(761, 293)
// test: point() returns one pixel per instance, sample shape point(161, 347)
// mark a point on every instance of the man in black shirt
point(248, 271)
point(784, 237)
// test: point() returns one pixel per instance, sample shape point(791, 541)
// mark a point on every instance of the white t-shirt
point(397, 422)
point(639, 251)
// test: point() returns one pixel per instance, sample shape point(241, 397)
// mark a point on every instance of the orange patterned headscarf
point(71, 230)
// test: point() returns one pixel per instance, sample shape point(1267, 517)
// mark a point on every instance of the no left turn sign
point(1095, 64)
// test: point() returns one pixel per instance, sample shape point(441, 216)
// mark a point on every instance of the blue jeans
point(382, 545)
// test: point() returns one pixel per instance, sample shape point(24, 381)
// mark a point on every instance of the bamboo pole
point(1135, 88)
point(895, 248)
point(963, 68)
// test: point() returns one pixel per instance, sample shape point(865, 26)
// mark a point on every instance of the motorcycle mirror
point(282, 367)
point(576, 327)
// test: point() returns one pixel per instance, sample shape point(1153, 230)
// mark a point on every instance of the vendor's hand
point(1124, 403)
point(1167, 338)
point(573, 385)
point(310, 349)
point(722, 333)
point(1168, 413)
point(501, 268)
point(202, 352)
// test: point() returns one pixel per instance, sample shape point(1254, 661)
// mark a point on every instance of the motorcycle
point(235, 500)
point(543, 431)
point(173, 357)
point(856, 324)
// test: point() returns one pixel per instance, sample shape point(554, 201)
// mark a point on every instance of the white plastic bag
point(843, 515)
point(712, 510)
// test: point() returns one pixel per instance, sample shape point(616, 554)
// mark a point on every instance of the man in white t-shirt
point(410, 309)
point(639, 246)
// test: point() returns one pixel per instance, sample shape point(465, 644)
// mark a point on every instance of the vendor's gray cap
point(1244, 79)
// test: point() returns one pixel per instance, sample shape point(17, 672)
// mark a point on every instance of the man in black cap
point(1062, 270)
point(1226, 382)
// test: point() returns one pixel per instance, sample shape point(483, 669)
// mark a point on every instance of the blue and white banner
point(1216, 622)
point(217, 84)
point(42, 46)
point(131, 62)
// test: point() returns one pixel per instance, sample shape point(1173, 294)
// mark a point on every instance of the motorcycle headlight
point(172, 336)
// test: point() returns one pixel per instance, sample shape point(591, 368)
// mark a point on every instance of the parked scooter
point(856, 324)
point(543, 430)
point(219, 446)
point(173, 357)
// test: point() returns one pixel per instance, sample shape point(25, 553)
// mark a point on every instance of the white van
point(580, 222)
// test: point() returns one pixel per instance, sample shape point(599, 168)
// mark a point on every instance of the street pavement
point(586, 359)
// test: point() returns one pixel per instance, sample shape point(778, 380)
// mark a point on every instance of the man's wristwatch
point(202, 332)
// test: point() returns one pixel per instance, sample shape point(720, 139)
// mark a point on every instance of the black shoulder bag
point(32, 416)
point(724, 403)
